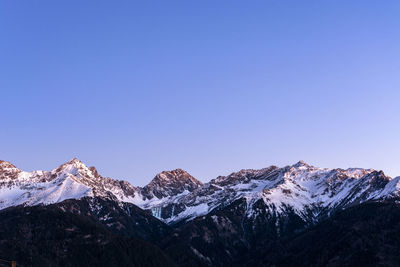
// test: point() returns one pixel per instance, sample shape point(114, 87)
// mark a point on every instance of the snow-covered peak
point(74, 167)
point(75, 161)
point(72, 179)
point(355, 172)
point(301, 164)
point(80, 173)
point(304, 171)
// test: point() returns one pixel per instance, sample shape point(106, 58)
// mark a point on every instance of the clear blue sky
point(137, 87)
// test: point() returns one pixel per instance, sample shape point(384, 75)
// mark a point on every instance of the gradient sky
point(137, 87)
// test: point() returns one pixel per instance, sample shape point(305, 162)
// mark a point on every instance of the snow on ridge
point(47, 187)
point(72, 180)
point(299, 186)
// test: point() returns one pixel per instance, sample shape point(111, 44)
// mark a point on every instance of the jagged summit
point(245, 175)
point(301, 163)
point(169, 183)
point(75, 161)
point(8, 170)
point(175, 175)
point(179, 173)
point(5, 164)
point(94, 171)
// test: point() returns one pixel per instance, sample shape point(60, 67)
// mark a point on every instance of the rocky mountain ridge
point(177, 196)
point(74, 180)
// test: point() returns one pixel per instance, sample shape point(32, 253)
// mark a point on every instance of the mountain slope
point(121, 218)
point(226, 235)
point(364, 235)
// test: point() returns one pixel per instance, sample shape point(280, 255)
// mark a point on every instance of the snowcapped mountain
point(304, 189)
point(173, 196)
point(74, 180)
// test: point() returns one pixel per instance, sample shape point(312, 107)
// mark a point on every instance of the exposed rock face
point(8, 171)
point(68, 234)
point(170, 183)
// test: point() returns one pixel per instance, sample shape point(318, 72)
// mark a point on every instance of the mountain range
point(250, 217)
